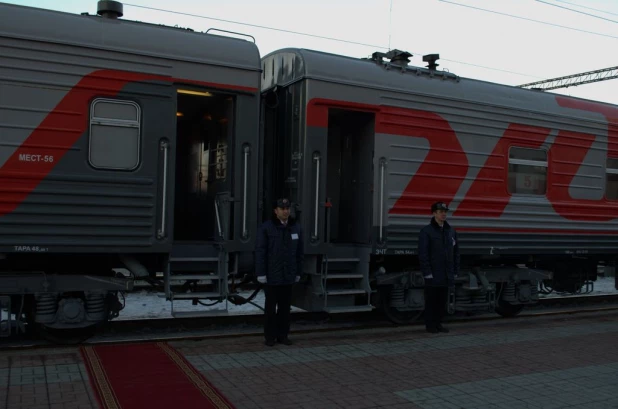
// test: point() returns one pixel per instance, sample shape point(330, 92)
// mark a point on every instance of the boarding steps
point(341, 284)
point(205, 269)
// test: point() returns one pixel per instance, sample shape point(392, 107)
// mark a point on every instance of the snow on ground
point(603, 285)
point(144, 304)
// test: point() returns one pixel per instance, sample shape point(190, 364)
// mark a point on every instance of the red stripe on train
point(519, 231)
point(53, 137)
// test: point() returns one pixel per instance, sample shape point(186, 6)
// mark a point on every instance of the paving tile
point(565, 362)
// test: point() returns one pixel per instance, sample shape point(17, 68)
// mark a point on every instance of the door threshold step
point(345, 292)
point(184, 277)
point(336, 276)
point(352, 308)
point(190, 296)
point(193, 259)
point(344, 260)
point(198, 314)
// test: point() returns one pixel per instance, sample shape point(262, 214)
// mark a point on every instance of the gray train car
point(123, 146)
point(368, 144)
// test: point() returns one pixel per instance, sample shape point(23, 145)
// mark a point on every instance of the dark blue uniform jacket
point(279, 251)
point(438, 253)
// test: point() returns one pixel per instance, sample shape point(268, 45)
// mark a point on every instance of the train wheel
point(70, 312)
point(65, 336)
point(396, 315)
point(508, 310)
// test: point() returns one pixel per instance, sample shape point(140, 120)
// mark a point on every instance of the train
point(157, 150)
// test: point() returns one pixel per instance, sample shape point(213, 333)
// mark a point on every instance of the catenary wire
point(255, 25)
point(587, 8)
point(529, 19)
point(315, 36)
point(576, 11)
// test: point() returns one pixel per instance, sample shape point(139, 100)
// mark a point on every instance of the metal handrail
point(246, 151)
point(218, 218)
point(382, 166)
point(316, 158)
point(164, 146)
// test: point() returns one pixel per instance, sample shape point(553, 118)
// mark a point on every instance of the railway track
point(244, 325)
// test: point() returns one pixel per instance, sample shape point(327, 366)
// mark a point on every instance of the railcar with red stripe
point(531, 178)
point(120, 142)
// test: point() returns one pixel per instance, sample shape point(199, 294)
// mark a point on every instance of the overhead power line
point(530, 19)
point(489, 68)
point(256, 26)
point(374, 46)
point(575, 79)
point(577, 11)
point(587, 8)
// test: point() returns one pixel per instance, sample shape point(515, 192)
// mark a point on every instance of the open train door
point(203, 181)
point(339, 152)
point(349, 181)
point(215, 190)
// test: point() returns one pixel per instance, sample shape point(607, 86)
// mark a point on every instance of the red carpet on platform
point(154, 375)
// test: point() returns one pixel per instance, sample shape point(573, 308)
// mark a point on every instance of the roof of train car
point(286, 66)
point(126, 36)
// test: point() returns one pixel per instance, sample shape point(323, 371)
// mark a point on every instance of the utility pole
point(574, 80)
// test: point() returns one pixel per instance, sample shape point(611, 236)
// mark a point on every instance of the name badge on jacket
point(294, 236)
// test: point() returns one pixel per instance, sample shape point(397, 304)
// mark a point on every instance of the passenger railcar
point(123, 145)
point(530, 176)
point(126, 145)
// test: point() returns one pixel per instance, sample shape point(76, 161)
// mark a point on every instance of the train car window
point(611, 184)
point(527, 171)
point(114, 134)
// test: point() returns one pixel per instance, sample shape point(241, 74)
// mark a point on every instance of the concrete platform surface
point(544, 362)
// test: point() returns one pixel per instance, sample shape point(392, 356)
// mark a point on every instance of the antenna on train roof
point(109, 9)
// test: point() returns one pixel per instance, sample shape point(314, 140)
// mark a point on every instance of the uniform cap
point(439, 206)
point(282, 203)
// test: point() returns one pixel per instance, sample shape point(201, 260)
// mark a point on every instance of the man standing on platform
point(438, 253)
point(278, 265)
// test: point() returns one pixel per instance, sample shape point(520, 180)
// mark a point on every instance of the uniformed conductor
point(438, 253)
point(278, 265)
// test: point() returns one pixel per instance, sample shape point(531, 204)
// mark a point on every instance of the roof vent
point(431, 59)
point(397, 57)
point(109, 9)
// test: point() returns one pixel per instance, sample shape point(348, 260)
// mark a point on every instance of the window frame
point(121, 123)
point(527, 162)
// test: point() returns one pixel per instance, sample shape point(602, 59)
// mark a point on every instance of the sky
point(475, 38)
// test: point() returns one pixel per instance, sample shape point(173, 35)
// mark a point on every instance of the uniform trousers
point(435, 305)
point(278, 299)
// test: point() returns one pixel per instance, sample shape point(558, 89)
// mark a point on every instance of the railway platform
point(562, 361)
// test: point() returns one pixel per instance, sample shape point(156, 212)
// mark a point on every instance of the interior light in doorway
point(191, 92)
point(179, 114)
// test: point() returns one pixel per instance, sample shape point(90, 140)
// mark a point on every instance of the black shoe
point(442, 329)
point(432, 330)
point(284, 341)
point(269, 343)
